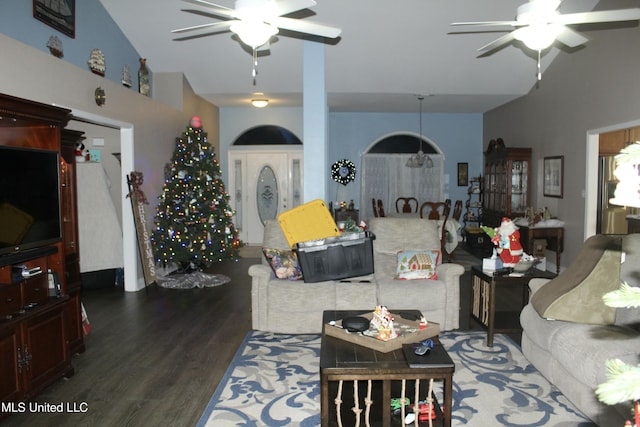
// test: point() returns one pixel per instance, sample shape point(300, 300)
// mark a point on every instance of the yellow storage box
point(310, 221)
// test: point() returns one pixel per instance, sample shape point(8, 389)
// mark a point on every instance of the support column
point(315, 118)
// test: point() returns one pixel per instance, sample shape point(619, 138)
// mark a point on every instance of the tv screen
point(29, 199)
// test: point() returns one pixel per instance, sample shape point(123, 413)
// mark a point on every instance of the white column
point(315, 113)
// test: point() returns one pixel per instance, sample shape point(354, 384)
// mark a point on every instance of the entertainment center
point(40, 307)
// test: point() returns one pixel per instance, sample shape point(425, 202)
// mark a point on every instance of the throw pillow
point(283, 263)
point(417, 265)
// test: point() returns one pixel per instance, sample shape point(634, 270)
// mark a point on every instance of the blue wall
point(94, 29)
point(459, 136)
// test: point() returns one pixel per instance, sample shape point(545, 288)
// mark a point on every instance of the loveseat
point(571, 353)
point(293, 306)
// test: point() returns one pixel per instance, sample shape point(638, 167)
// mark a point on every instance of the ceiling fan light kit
point(254, 34)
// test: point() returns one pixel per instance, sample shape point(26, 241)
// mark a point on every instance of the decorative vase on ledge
point(144, 86)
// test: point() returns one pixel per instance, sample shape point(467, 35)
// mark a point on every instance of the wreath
point(343, 171)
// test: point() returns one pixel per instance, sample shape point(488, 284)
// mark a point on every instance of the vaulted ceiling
point(389, 51)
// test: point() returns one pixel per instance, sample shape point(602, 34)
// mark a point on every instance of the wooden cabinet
point(610, 143)
point(507, 182)
point(40, 319)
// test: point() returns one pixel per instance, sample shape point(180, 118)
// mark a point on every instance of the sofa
point(569, 333)
point(293, 306)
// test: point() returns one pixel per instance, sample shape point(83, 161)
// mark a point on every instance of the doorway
point(262, 184)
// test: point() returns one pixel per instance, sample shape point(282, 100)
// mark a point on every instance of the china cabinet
point(507, 182)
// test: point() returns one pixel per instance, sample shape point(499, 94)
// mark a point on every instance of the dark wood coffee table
point(351, 367)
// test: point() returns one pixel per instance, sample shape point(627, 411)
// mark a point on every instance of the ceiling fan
point(539, 23)
point(256, 21)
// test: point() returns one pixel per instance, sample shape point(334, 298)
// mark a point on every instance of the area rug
point(273, 380)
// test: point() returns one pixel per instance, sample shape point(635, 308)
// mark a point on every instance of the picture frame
point(60, 15)
point(553, 176)
point(463, 174)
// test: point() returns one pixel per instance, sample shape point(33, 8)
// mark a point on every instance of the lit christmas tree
point(193, 220)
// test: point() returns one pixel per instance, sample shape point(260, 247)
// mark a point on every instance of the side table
point(484, 288)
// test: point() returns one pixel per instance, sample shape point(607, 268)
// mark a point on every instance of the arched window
point(385, 174)
point(267, 135)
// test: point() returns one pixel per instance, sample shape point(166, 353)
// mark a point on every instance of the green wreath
point(343, 171)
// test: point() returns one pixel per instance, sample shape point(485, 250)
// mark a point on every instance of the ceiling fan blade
point(284, 7)
point(600, 16)
point(488, 23)
point(507, 38)
point(305, 27)
point(571, 38)
point(213, 26)
point(216, 9)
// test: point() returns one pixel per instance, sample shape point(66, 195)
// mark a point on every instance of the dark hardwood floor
point(155, 357)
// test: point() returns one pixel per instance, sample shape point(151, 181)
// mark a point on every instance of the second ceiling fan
point(539, 23)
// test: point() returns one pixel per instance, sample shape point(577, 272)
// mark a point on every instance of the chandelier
point(420, 159)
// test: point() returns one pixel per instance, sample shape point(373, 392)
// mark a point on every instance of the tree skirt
point(196, 279)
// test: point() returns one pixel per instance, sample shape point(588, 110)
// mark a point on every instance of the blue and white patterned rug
point(274, 380)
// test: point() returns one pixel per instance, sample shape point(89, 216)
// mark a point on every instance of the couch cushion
point(583, 349)
point(630, 273)
point(576, 294)
point(412, 294)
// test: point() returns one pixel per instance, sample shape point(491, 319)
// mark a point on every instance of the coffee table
point(348, 369)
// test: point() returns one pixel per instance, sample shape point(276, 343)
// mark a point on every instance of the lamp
point(627, 172)
point(259, 102)
point(419, 159)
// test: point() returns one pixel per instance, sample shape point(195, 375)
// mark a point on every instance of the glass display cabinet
point(507, 182)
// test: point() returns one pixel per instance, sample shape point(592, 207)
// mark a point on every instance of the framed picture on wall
point(60, 14)
point(463, 174)
point(553, 176)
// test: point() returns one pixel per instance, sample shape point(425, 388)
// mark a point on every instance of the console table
point(553, 236)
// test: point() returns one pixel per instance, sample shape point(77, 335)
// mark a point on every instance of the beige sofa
point(286, 306)
point(572, 354)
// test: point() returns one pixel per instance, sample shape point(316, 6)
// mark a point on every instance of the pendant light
point(420, 159)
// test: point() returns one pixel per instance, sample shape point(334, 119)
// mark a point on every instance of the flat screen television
point(29, 199)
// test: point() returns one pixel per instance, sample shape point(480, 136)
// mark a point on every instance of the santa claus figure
point(507, 240)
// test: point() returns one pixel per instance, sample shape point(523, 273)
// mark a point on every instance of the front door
point(262, 185)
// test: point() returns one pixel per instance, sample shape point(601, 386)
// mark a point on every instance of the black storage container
point(336, 258)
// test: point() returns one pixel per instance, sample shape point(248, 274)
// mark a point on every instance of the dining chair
point(375, 208)
point(409, 205)
point(434, 210)
point(380, 208)
point(438, 211)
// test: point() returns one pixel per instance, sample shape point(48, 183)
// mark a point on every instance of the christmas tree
point(193, 220)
